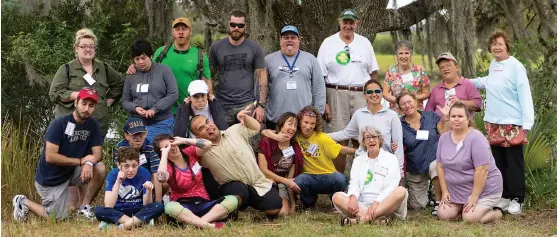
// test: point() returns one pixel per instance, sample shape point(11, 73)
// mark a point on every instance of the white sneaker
point(105, 225)
point(86, 211)
point(152, 222)
point(20, 209)
point(515, 207)
point(504, 204)
point(165, 199)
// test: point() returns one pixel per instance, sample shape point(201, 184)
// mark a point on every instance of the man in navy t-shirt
point(71, 156)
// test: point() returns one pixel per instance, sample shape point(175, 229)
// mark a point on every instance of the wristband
point(89, 163)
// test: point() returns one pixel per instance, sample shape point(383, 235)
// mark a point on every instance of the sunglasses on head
point(376, 91)
point(239, 25)
point(347, 49)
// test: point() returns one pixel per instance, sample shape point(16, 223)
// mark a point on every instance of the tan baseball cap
point(445, 55)
point(182, 20)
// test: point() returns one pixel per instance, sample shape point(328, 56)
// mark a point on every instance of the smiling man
point(295, 78)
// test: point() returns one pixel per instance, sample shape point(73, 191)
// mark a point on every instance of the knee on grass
point(230, 202)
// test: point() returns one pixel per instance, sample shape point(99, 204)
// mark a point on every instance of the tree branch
point(408, 15)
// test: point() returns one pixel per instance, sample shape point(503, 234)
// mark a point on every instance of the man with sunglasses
point(237, 60)
point(295, 78)
point(348, 61)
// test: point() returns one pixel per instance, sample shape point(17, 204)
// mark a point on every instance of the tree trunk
point(159, 13)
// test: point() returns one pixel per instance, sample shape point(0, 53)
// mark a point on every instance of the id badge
point(196, 168)
point(422, 135)
point(89, 79)
point(291, 85)
point(288, 152)
point(142, 159)
point(312, 149)
point(70, 127)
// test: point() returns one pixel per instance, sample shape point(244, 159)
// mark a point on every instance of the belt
point(348, 88)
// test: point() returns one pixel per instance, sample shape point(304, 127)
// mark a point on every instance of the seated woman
point(471, 184)
point(128, 201)
point(282, 161)
point(190, 203)
point(373, 193)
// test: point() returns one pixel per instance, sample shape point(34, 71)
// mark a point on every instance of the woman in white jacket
point(373, 193)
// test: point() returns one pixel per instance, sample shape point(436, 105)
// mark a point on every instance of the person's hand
point(150, 113)
point(245, 112)
point(371, 211)
point(211, 97)
point(445, 200)
point(327, 116)
point(445, 110)
point(179, 141)
point(394, 146)
point(281, 137)
point(259, 114)
point(148, 185)
point(453, 99)
point(86, 173)
point(162, 174)
point(353, 207)
point(165, 150)
point(73, 95)
point(471, 203)
point(131, 69)
point(109, 101)
point(292, 185)
point(187, 100)
point(87, 158)
point(140, 111)
point(121, 176)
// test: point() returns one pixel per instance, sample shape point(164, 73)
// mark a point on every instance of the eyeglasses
point(347, 49)
point(376, 91)
point(368, 138)
point(291, 37)
point(239, 25)
point(90, 47)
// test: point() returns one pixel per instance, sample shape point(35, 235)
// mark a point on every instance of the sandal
point(346, 221)
point(383, 220)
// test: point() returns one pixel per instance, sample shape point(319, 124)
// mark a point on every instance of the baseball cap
point(445, 55)
point(290, 28)
point(198, 87)
point(134, 125)
point(88, 93)
point(349, 14)
point(182, 20)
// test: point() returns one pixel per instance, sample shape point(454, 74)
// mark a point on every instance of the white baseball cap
point(198, 87)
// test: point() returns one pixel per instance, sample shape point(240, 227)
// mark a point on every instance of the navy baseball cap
point(134, 125)
point(290, 28)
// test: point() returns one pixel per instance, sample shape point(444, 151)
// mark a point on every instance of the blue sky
point(399, 3)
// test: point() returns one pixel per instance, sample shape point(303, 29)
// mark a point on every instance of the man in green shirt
point(183, 60)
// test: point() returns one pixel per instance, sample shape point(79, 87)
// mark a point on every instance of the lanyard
point(291, 67)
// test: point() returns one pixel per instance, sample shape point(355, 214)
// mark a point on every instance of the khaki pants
point(418, 185)
point(343, 105)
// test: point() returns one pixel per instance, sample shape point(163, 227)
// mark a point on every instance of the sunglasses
point(376, 91)
point(239, 25)
point(347, 51)
point(89, 89)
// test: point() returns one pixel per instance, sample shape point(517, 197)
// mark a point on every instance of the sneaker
point(504, 204)
point(105, 225)
point(20, 209)
point(86, 211)
point(515, 207)
point(152, 222)
point(435, 208)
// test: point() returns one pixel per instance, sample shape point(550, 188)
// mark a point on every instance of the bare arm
point(203, 145)
point(441, 176)
point(52, 156)
point(290, 192)
point(262, 161)
point(471, 105)
point(424, 93)
point(110, 197)
point(158, 188)
point(374, 75)
point(97, 153)
point(387, 93)
point(261, 74)
point(480, 176)
point(347, 150)
point(209, 84)
point(148, 197)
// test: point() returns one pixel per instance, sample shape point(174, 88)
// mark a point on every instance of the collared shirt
point(464, 90)
point(412, 82)
point(420, 153)
point(148, 157)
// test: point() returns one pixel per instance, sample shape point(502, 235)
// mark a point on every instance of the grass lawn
point(316, 223)
point(386, 60)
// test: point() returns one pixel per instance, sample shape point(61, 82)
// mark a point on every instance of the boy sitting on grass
point(128, 200)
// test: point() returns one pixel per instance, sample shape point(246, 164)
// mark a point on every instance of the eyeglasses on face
point(90, 47)
point(239, 25)
point(368, 138)
point(376, 91)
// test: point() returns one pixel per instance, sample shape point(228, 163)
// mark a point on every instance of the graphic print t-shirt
point(321, 161)
point(131, 191)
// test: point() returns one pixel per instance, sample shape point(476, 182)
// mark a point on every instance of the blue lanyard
point(291, 67)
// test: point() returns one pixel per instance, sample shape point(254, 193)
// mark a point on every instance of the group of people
point(194, 144)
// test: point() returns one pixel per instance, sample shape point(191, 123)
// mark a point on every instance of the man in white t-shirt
point(347, 61)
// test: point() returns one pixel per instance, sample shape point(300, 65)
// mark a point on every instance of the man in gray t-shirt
point(295, 79)
point(238, 60)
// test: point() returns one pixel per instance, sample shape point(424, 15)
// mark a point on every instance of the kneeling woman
point(373, 192)
point(190, 203)
point(128, 200)
point(471, 184)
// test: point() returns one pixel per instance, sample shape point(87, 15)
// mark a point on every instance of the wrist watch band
point(89, 163)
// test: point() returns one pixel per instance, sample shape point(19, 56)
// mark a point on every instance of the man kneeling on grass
point(128, 200)
point(71, 156)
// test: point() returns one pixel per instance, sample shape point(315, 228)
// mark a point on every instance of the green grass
point(386, 60)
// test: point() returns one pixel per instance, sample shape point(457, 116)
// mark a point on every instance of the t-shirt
point(321, 161)
point(282, 164)
point(464, 90)
point(131, 191)
point(83, 138)
point(232, 159)
point(460, 162)
point(342, 67)
point(184, 67)
point(412, 82)
point(181, 182)
point(148, 158)
point(236, 65)
point(291, 94)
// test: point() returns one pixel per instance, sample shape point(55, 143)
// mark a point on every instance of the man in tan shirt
point(233, 164)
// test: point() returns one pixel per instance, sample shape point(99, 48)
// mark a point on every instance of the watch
point(263, 105)
point(89, 163)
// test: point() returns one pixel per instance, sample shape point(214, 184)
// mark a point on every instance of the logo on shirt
point(369, 177)
point(235, 61)
point(128, 192)
point(285, 69)
point(79, 135)
point(342, 58)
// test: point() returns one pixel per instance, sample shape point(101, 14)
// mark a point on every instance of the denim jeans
point(313, 184)
point(162, 127)
point(146, 213)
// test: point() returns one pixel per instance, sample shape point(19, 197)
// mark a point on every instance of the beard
point(236, 35)
point(182, 41)
point(83, 115)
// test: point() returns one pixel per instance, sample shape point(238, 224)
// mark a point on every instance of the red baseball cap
point(88, 93)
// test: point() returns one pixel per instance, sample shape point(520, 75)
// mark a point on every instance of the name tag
point(498, 68)
point(381, 171)
point(142, 88)
point(312, 149)
point(422, 135)
point(89, 79)
point(291, 85)
point(69, 129)
point(450, 92)
point(355, 58)
point(406, 78)
point(142, 159)
point(196, 168)
point(288, 152)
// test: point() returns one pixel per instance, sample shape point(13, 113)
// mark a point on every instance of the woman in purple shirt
point(471, 184)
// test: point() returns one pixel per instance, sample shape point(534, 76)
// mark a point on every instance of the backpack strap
point(67, 71)
point(106, 70)
point(200, 64)
point(163, 53)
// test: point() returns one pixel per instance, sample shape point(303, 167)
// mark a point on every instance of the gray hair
point(403, 43)
point(373, 132)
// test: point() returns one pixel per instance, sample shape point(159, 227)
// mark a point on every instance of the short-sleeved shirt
point(412, 82)
point(131, 191)
point(184, 66)
point(83, 138)
point(236, 65)
point(464, 90)
point(342, 67)
point(321, 161)
point(181, 181)
point(420, 153)
point(460, 161)
point(232, 159)
point(148, 158)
